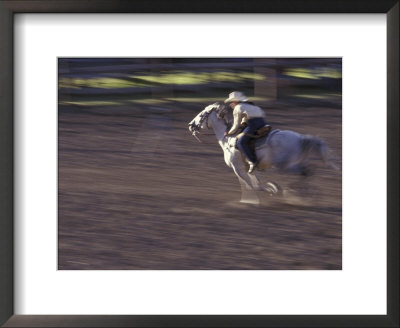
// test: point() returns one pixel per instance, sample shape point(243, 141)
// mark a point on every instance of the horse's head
point(201, 120)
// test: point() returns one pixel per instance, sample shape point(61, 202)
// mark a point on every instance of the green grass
point(170, 78)
point(90, 103)
point(315, 74)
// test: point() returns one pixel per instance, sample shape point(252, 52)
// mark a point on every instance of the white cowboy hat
point(236, 96)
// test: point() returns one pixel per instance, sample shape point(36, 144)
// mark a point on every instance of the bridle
point(195, 129)
point(220, 112)
point(204, 117)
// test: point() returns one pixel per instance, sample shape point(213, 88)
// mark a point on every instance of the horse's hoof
point(272, 188)
point(250, 201)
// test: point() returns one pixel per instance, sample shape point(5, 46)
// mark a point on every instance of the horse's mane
point(224, 113)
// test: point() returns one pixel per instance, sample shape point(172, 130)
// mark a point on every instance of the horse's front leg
point(249, 195)
point(248, 183)
point(251, 180)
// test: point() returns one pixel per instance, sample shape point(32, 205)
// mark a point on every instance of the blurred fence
point(259, 77)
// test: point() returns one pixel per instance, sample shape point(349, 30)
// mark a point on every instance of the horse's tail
point(313, 145)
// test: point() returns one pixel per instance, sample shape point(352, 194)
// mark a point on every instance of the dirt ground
point(137, 191)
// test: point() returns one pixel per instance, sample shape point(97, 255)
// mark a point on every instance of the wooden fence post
point(268, 87)
point(165, 90)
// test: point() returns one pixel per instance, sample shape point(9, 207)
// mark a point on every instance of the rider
point(245, 112)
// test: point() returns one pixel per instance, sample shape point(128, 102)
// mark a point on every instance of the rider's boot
point(252, 166)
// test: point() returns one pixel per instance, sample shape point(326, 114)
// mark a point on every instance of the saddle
point(262, 132)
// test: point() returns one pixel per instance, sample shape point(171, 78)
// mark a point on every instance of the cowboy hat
point(236, 96)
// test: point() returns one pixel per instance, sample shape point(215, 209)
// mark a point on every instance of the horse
point(283, 149)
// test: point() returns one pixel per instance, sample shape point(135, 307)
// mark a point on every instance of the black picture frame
point(10, 7)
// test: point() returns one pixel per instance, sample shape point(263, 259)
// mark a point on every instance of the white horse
point(285, 150)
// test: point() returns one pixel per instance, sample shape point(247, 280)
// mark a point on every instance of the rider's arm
point(237, 116)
